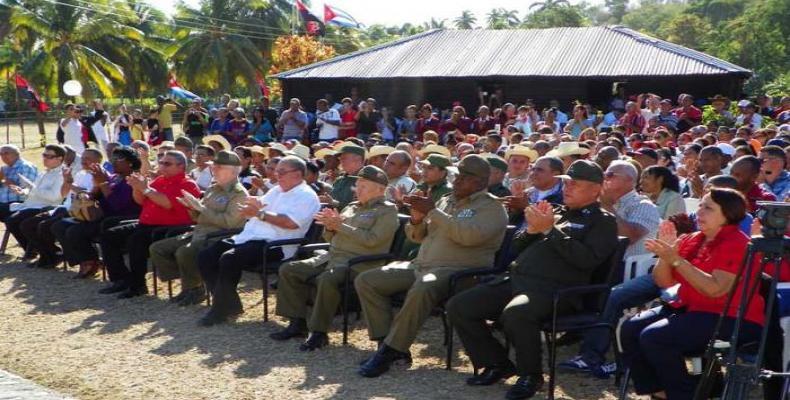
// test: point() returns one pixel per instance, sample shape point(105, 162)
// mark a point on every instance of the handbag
point(85, 209)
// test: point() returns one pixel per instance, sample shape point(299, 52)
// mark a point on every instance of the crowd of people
point(199, 208)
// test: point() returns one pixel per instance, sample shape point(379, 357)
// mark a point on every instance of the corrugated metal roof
point(557, 52)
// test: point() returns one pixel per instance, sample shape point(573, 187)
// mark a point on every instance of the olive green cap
point(474, 165)
point(373, 174)
point(497, 162)
point(584, 170)
point(353, 149)
point(437, 160)
point(225, 157)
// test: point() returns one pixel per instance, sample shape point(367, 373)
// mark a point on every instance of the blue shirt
point(781, 186)
point(219, 126)
point(263, 132)
point(11, 174)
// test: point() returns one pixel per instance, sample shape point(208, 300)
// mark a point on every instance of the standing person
point(484, 122)
point(165, 107)
point(284, 212)
point(366, 120)
point(427, 121)
point(407, 129)
point(152, 128)
point(239, 126)
point(328, 121)
point(72, 128)
point(122, 126)
point(293, 121)
point(348, 118)
point(463, 230)
point(137, 128)
point(688, 115)
point(366, 226)
point(579, 122)
point(261, 129)
point(632, 121)
point(13, 174)
point(195, 121)
point(387, 126)
point(523, 300)
point(458, 123)
point(160, 207)
point(269, 113)
point(99, 129)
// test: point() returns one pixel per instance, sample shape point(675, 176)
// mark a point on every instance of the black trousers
point(135, 239)
point(5, 212)
point(14, 224)
point(221, 265)
point(521, 316)
point(76, 239)
point(37, 231)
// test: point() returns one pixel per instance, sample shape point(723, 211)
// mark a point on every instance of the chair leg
point(4, 245)
point(170, 289)
point(265, 283)
point(624, 384)
point(552, 364)
point(156, 279)
point(345, 310)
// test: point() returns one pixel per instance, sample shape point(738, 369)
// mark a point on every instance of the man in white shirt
point(72, 128)
point(284, 212)
point(396, 166)
point(204, 156)
point(46, 192)
point(327, 121)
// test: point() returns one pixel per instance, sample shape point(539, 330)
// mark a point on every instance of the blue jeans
point(633, 293)
point(656, 342)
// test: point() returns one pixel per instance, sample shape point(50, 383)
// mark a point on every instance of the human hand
point(251, 207)
point(257, 182)
point(662, 249)
point(137, 182)
point(421, 204)
point(518, 186)
point(329, 218)
point(519, 202)
point(67, 177)
point(539, 217)
point(98, 174)
point(667, 232)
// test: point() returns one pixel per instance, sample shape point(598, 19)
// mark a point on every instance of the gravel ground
point(61, 334)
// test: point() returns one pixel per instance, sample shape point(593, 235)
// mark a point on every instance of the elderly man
point(352, 159)
point(293, 121)
point(396, 166)
point(45, 192)
point(552, 256)
point(160, 207)
point(637, 216)
point(463, 230)
point(498, 171)
point(15, 166)
point(518, 158)
point(176, 257)
point(366, 226)
point(284, 212)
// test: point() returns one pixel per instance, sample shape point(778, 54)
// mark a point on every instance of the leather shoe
point(492, 375)
point(211, 318)
point(382, 360)
point(192, 296)
point(116, 287)
point(133, 292)
point(316, 340)
point(296, 328)
point(525, 387)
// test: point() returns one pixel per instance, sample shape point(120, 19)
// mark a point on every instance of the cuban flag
point(312, 24)
point(177, 91)
point(336, 16)
point(26, 92)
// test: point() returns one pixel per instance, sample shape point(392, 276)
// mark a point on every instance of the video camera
point(773, 216)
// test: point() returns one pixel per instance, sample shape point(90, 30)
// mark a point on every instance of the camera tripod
point(741, 376)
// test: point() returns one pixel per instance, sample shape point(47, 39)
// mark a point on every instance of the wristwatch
point(677, 262)
point(148, 191)
point(262, 215)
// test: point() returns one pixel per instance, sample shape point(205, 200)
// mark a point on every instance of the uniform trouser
point(37, 231)
point(76, 239)
point(376, 287)
point(14, 224)
point(656, 342)
point(221, 265)
point(135, 238)
point(176, 257)
point(521, 317)
point(633, 293)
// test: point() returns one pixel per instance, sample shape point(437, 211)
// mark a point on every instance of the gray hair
point(142, 144)
point(10, 147)
point(403, 156)
point(295, 163)
point(624, 168)
point(179, 156)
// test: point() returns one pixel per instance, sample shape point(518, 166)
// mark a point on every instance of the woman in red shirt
point(705, 264)
point(348, 120)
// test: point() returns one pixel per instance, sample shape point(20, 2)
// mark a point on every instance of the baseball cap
point(225, 157)
point(584, 170)
point(373, 174)
point(437, 160)
point(474, 165)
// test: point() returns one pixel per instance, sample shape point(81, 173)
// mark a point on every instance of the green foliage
point(778, 87)
point(556, 17)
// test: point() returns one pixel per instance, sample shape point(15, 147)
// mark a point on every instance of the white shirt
point(300, 204)
point(404, 182)
point(327, 131)
point(756, 123)
point(72, 135)
point(82, 179)
point(202, 177)
point(99, 131)
point(45, 191)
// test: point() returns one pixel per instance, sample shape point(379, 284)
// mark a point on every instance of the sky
point(398, 12)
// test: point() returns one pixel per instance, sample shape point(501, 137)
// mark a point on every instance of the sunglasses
point(609, 174)
point(166, 163)
point(49, 156)
point(283, 172)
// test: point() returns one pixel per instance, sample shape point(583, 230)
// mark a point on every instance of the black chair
point(158, 234)
point(594, 298)
point(105, 224)
point(4, 245)
point(500, 267)
point(348, 290)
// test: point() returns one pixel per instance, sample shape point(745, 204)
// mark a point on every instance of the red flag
point(312, 24)
point(328, 14)
point(27, 92)
point(262, 84)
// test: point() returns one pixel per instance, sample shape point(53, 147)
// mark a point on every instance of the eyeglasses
point(166, 163)
point(49, 156)
point(283, 172)
point(610, 174)
point(536, 169)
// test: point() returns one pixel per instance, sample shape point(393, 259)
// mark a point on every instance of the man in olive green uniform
point(460, 231)
point(366, 226)
point(498, 171)
point(552, 255)
point(219, 209)
point(352, 159)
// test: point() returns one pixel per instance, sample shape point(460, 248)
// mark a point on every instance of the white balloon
point(72, 88)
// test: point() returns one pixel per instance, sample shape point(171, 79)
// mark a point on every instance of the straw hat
point(380, 150)
point(279, 147)
point(519, 150)
point(219, 139)
point(300, 151)
point(435, 149)
point(320, 154)
point(260, 150)
point(568, 149)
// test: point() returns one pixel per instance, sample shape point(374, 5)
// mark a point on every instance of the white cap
point(744, 103)
point(726, 148)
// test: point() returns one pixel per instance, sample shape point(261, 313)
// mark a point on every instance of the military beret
point(353, 149)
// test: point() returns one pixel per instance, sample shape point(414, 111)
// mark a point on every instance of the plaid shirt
point(11, 175)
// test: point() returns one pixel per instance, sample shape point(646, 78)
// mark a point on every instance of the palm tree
point(434, 24)
point(214, 54)
point(466, 20)
point(549, 4)
point(65, 42)
point(501, 18)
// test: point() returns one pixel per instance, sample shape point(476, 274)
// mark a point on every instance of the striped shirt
point(637, 209)
point(11, 174)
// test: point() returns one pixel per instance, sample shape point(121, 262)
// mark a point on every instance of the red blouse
point(725, 252)
point(153, 214)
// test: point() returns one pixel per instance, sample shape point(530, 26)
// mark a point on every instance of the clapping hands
point(329, 218)
point(539, 216)
point(665, 246)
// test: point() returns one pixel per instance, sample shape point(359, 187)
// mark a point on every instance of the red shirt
point(757, 193)
point(693, 113)
point(429, 124)
point(481, 126)
point(464, 125)
point(348, 117)
point(153, 214)
point(725, 252)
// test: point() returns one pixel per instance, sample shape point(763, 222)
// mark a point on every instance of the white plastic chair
point(638, 265)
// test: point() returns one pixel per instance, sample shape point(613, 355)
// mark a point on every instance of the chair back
point(400, 235)
point(502, 255)
point(638, 265)
point(607, 273)
point(314, 232)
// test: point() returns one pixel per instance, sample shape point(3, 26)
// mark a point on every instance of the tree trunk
point(41, 132)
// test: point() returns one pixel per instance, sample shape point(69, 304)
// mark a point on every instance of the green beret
point(373, 174)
